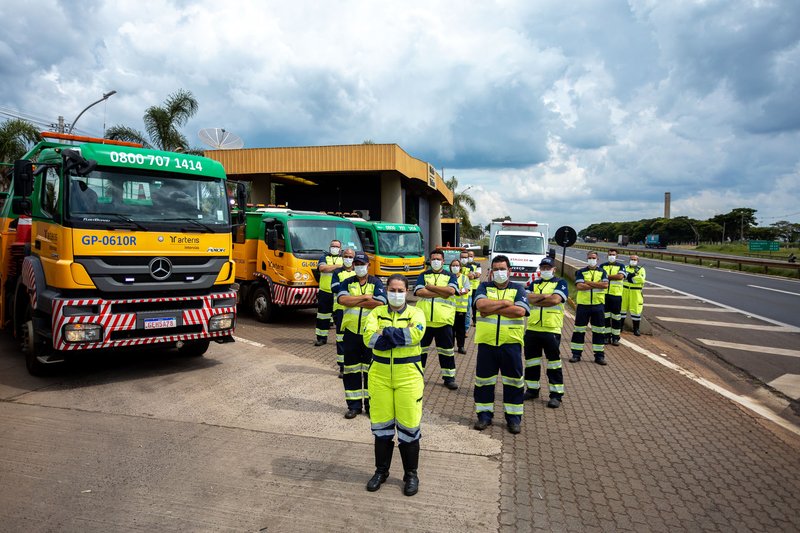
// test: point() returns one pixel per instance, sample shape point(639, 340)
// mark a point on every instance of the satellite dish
point(220, 139)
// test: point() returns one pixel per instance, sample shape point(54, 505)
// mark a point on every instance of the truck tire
point(261, 304)
point(194, 348)
point(34, 347)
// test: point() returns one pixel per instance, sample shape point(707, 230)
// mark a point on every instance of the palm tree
point(161, 124)
point(16, 137)
point(461, 201)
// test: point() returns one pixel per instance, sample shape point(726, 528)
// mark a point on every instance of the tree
point(161, 124)
point(788, 231)
point(737, 222)
point(461, 201)
point(16, 138)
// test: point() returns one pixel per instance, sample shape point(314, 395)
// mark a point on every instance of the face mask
point(436, 264)
point(612, 258)
point(361, 270)
point(455, 270)
point(335, 250)
point(471, 259)
point(396, 299)
point(348, 261)
point(500, 276)
point(547, 274)
point(592, 262)
point(633, 262)
point(464, 260)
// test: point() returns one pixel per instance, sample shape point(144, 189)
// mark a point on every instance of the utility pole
point(60, 126)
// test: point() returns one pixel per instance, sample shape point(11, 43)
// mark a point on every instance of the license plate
point(158, 323)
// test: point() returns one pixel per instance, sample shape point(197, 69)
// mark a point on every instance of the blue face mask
point(500, 276)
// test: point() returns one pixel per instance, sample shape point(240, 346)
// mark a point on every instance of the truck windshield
point(312, 238)
point(402, 243)
point(519, 244)
point(109, 198)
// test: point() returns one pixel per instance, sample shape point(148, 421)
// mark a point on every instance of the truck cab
point(392, 248)
point(524, 243)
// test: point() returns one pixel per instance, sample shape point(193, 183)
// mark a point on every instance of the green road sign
point(764, 246)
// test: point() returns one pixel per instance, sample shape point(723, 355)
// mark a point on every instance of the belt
point(396, 360)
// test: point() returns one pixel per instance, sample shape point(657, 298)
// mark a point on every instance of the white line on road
point(751, 348)
point(251, 343)
point(692, 308)
point(749, 403)
point(776, 290)
point(758, 327)
point(674, 297)
point(667, 269)
point(789, 384)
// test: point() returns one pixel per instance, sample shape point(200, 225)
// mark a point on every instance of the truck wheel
point(262, 305)
point(194, 348)
point(33, 348)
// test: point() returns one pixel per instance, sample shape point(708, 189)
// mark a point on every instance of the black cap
point(361, 257)
point(546, 262)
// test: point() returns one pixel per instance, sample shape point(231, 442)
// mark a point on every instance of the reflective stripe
point(323, 316)
point(484, 382)
point(354, 395)
point(383, 432)
point(446, 352)
point(448, 372)
point(536, 361)
point(513, 382)
point(396, 360)
point(321, 332)
point(512, 408)
point(554, 365)
point(557, 388)
point(372, 341)
point(533, 385)
point(576, 346)
point(443, 301)
point(352, 310)
point(580, 329)
point(484, 407)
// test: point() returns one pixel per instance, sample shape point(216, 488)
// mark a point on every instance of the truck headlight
point(83, 332)
point(223, 321)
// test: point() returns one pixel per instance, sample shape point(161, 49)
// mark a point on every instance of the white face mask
point(361, 270)
point(348, 261)
point(500, 276)
point(592, 262)
point(612, 258)
point(396, 299)
point(455, 269)
point(471, 259)
point(335, 250)
point(633, 262)
point(464, 260)
point(436, 264)
point(547, 274)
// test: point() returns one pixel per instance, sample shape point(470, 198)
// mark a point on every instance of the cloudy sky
point(569, 112)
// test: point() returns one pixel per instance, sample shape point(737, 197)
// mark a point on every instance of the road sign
point(566, 236)
point(764, 246)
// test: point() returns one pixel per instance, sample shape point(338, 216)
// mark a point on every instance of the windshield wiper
point(124, 218)
point(309, 250)
point(192, 220)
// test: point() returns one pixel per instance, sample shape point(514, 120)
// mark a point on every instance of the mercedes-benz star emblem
point(406, 268)
point(160, 268)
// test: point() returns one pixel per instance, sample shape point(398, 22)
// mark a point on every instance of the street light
point(106, 96)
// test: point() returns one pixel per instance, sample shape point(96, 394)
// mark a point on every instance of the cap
point(361, 257)
point(546, 262)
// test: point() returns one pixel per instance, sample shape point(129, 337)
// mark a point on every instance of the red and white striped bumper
point(122, 320)
point(295, 296)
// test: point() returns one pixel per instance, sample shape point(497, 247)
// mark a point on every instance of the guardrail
point(700, 259)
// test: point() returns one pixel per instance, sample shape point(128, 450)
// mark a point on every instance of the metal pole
point(105, 97)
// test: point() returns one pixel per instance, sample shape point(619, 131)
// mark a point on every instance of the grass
point(742, 250)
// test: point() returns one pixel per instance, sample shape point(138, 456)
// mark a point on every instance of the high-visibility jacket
point(614, 285)
point(462, 300)
point(325, 278)
point(496, 330)
point(354, 318)
point(400, 344)
point(591, 296)
point(474, 267)
point(635, 277)
point(548, 319)
point(438, 311)
point(337, 277)
point(632, 297)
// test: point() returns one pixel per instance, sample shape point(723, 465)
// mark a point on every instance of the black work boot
point(409, 452)
point(636, 328)
point(383, 460)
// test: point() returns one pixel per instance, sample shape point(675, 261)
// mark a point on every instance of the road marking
point(751, 315)
point(662, 268)
point(749, 403)
point(681, 297)
point(691, 308)
point(251, 343)
point(789, 384)
point(776, 290)
point(751, 348)
point(758, 327)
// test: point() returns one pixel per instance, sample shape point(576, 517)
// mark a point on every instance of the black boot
point(409, 452)
point(383, 460)
point(636, 328)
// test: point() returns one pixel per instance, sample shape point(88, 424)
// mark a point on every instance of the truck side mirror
point(485, 251)
point(241, 201)
point(271, 236)
point(23, 178)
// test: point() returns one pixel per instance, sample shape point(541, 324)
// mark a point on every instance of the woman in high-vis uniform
point(395, 384)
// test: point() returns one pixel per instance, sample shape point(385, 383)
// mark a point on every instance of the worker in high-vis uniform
point(591, 283)
point(434, 289)
point(613, 303)
point(546, 296)
point(396, 384)
point(329, 262)
point(358, 295)
point(474, 279)
point(461, 299)
point(632, 297)
point(339, 275)
point(499, 333)
point(466, 270)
